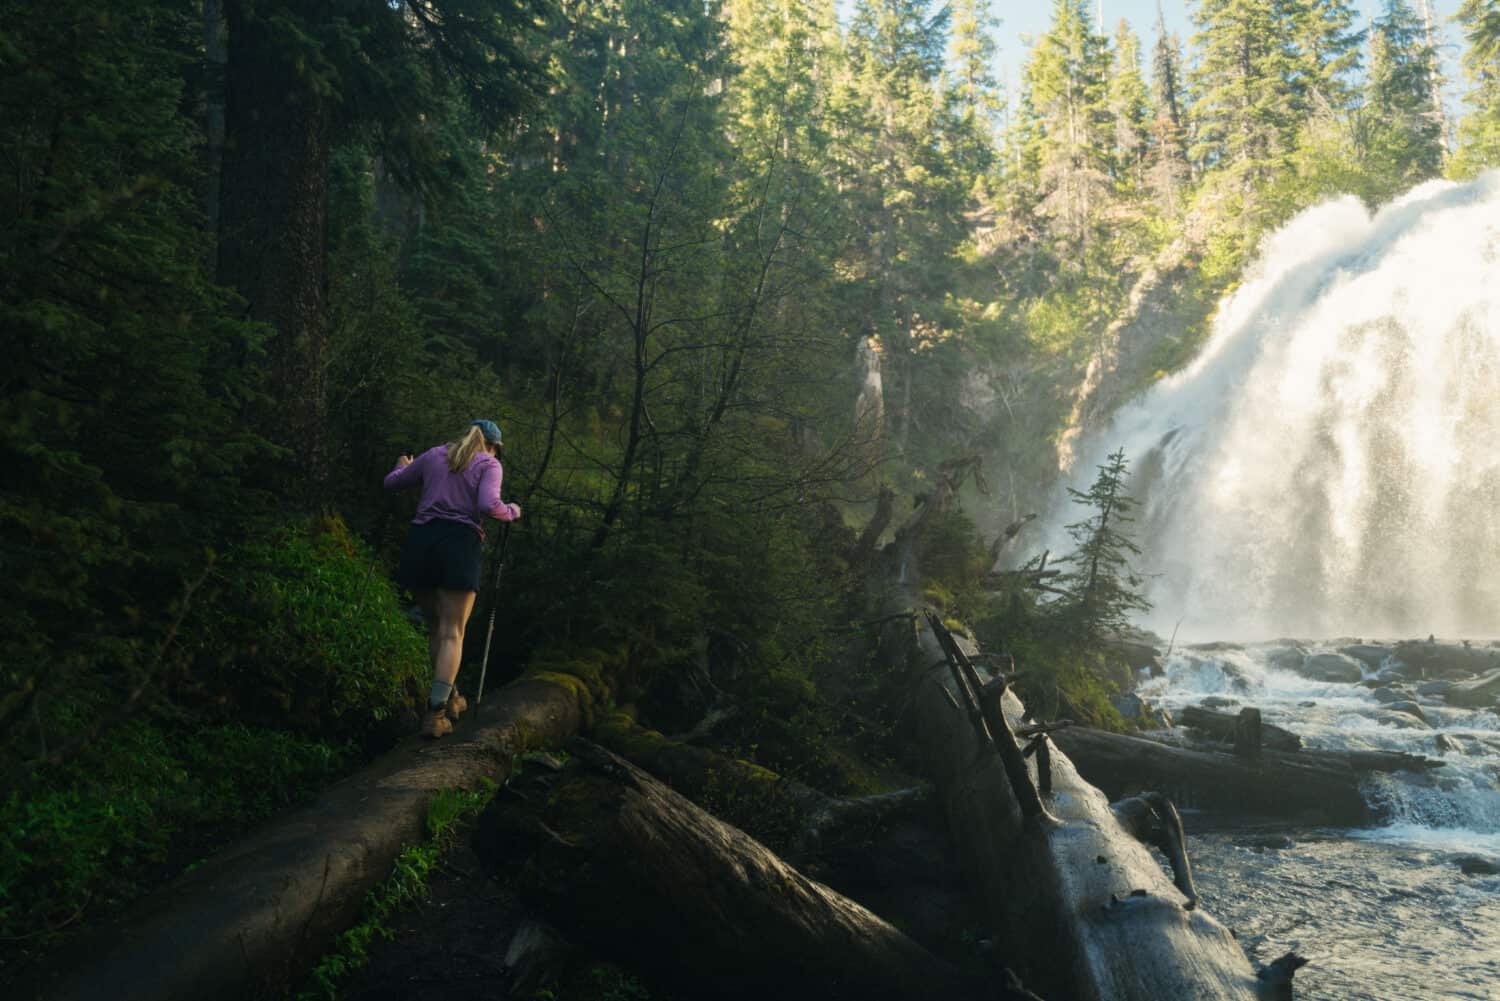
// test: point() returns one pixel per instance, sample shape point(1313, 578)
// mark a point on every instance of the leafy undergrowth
point(447, 814)
point(292, 666)
point(94, 833)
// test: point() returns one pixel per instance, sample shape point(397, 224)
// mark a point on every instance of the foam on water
point(1455, 807)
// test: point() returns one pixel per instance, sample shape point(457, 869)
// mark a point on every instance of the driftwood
point(1078, 900)
point(621, 863)
point(1222, 726)
point(1311, 787)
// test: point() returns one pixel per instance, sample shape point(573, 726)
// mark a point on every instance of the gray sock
point(438, 697)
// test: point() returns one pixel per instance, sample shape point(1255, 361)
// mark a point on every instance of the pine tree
point(976, 90)
point(1403, 138)
point(909, 184)
point(1129, 107)
point(1167, 170)
point(1479, 130)
point(1328, 47)
point(1102, 587)
point(973, 54)
point(1067, 91)
point(1249, 101)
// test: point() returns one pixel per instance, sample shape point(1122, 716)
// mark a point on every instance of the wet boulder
point(1136, 709)
point(1434, 688)
point(1477, 865)
point(1286, 657)
point(1369, 654)
point(1448, 660)
point(1387, 695)
point(1477, 693)
point(1409, 708)
point(1139, 650)
point(1331, 667)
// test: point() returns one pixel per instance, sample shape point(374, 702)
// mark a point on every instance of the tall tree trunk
point(272, 228)
point(215, 39)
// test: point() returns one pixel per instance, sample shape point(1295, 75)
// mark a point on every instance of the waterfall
point(1330, 464)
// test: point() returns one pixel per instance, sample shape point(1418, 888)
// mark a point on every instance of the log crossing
point(1084, 908)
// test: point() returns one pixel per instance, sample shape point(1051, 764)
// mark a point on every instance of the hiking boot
point(435, 722)
point(457, 705)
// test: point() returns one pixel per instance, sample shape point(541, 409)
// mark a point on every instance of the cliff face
point(1162, 310)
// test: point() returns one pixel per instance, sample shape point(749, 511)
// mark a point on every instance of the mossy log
point(255, 916)
point(1082, 906)
point(622, 864)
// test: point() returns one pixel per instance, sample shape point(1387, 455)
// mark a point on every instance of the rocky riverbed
point(1409, 908)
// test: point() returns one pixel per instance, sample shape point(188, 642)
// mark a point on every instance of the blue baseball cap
point(491, 431)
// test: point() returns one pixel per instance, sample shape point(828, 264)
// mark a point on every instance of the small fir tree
point(1102, 588)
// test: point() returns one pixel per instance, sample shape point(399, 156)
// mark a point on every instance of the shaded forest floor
point(453, 944)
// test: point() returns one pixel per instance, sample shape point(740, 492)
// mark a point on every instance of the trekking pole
point(489, 633)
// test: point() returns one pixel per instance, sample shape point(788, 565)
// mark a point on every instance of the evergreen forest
point(743, 282)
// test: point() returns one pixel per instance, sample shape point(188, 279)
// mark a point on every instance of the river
point(1383, 913)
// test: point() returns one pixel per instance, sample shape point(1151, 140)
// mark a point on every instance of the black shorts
point(440, 554)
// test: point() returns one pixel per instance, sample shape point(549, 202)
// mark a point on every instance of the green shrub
point(303, 632)
point(89, 835)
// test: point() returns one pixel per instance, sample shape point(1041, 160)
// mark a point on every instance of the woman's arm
point(406, 474)
point(489, 495)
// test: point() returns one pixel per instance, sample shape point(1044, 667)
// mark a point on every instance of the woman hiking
point(441, 558)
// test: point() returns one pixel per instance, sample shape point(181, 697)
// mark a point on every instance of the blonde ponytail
point(462, 451)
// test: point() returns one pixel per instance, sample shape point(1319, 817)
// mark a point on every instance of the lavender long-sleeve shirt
point(465, 496)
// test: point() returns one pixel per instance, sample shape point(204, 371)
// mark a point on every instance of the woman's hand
point(403, 462)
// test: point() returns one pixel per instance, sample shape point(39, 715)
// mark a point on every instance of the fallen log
point(1222, 726)
point(1308, 787)
point(256, 915)
point(790, 817)
point(1080, 903)
point(621, 863)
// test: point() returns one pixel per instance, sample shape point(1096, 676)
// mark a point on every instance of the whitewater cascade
point(1330, 464)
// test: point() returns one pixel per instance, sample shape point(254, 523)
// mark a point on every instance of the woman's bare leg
point(447, 635)
point(427, 601)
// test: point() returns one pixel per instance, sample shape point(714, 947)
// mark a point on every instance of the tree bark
point(1082, 906)
point(272, 228)
point(624, 865)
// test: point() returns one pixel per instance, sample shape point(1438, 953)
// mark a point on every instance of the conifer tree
point(1403, 137)
point(1479, 130)
point(1102, 587)
point(1328, 48)
point(1167, 170)
point(973, 52)
point(976, 89)
point(910, 187)
point(1067, 92)
point(1128, 106)
point(1249, 102)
